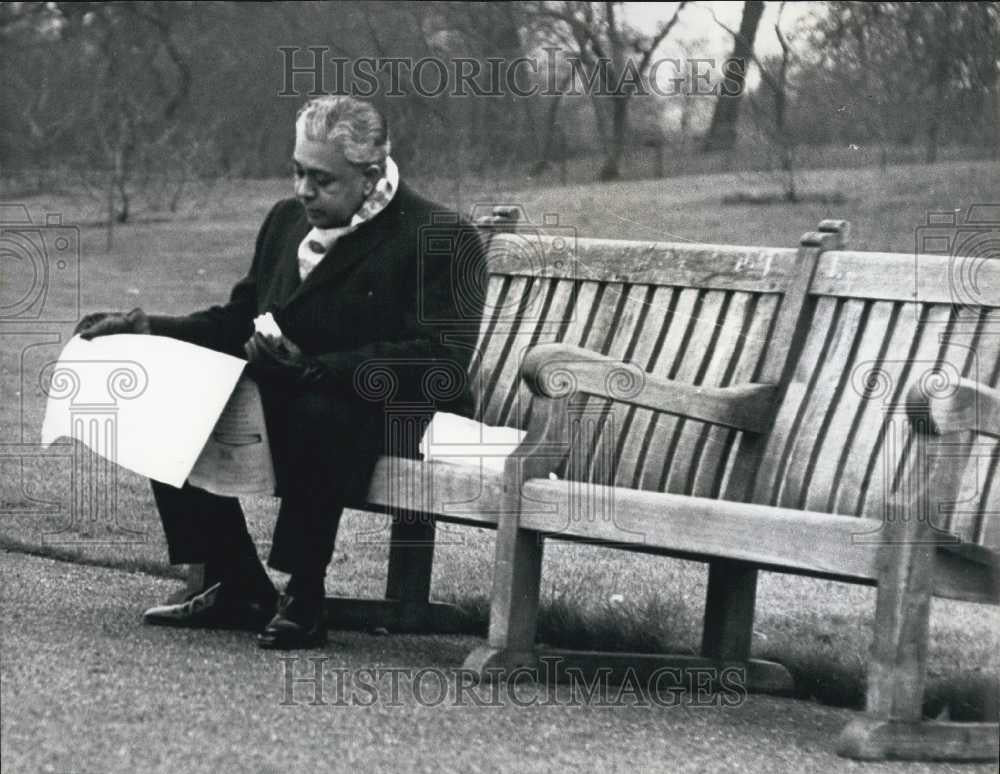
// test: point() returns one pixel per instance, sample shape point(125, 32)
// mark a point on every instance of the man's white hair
point(356, 127)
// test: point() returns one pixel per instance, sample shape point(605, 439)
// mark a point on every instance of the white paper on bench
point(462, 441)
point(147, 403)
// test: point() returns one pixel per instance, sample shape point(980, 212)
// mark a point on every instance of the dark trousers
point(317, 470)
point(203, 528)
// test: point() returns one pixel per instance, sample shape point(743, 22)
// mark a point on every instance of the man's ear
point(373, 172)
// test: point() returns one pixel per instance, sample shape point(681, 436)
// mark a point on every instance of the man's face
point(329, 186)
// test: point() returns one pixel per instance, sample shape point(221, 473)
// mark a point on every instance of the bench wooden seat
point(778, 408)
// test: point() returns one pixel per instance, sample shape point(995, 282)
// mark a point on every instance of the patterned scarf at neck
point(318, 241)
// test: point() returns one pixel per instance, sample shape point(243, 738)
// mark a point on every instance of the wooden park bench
point(809, 410)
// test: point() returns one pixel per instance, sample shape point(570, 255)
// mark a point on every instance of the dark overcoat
point(391, 314)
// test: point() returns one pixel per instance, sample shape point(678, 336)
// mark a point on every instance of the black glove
point(109, 323)
point(281, 360)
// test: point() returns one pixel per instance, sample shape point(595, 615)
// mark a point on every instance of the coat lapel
point(286, 281)
point(347, 252)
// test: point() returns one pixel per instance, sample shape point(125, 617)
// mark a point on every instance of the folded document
point(163, 408)
point(175, 412)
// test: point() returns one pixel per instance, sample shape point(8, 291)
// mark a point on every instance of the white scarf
point(318, 241)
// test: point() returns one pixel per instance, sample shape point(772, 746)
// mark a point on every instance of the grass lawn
point(593, 598)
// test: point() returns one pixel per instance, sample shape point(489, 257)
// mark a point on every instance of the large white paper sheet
point(147, 403)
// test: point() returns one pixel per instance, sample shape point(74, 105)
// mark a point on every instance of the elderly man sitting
point(348, 273)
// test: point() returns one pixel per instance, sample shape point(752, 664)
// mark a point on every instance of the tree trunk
point(563, 158)
point(722, 131)
point(109, 231)
point(932, 142)
point(175, 200)
point(788, 168)
point(552, 132)
point(616, 147)
point(934, 119)
point(995, 152)
point(120, 183)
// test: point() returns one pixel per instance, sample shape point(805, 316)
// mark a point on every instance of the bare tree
point(722, 131)
point(772, 118)
point(935, 64)
point(137, 81)
point(614, 59)
point(688, 99)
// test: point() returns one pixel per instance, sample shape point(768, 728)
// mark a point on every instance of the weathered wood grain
point(891, 451)
point(832, 378)
point(776, 385)
point(932, 279)
point(782, 539)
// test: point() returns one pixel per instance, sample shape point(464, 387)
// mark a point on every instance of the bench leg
point(514, 613)
point(407, 606)
point(517, 581)
point(512, 637)
point(892, 727)
point(729, 611)
point(411, 560)
point(728, 630)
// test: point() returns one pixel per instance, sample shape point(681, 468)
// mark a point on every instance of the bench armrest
point(941, 407)
point(559, 370)
point(966, 405)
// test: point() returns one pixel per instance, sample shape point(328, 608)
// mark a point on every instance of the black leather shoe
point(213, 608)
point(298, 624)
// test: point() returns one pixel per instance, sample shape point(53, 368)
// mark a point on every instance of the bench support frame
point(893, 726)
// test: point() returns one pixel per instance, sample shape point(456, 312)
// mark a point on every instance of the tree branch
point(768, 77)
point(660, 37)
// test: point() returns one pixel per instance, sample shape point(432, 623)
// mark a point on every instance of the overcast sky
point(696, 22)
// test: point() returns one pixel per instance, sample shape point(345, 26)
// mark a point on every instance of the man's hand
point(273, 357)
point(109, 323)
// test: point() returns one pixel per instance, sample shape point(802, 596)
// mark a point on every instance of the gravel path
point(86, 688)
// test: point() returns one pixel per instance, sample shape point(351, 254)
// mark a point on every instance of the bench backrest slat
point(937, 279)
point(922, 278)
point(706, 314)
point(725, 267)
point(839, 448)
